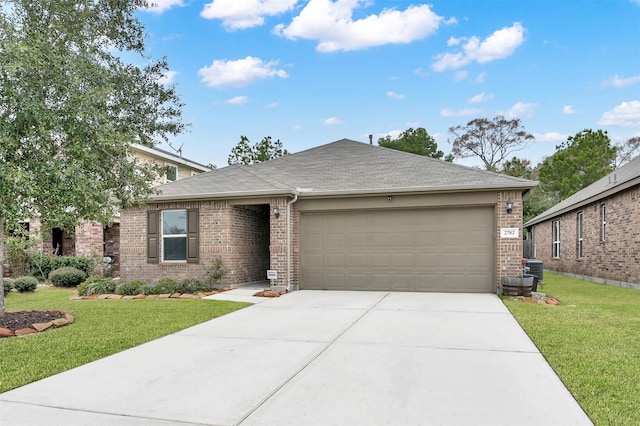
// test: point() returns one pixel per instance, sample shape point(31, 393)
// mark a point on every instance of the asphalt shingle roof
point(610, 184)
point(339, 168)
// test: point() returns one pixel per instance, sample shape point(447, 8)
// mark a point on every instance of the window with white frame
point(580, 234)
point(556, 238)
point(174, 236)
point(170, 173)
point(603, 217)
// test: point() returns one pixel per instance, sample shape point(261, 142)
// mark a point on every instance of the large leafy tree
point(577, 163)
point(266, 149)
point(417, 141)
point(493, 141)
point(69, 107)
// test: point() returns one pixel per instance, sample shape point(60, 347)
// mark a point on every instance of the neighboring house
point(93, 239)
point(345, 215)
point(595, 233)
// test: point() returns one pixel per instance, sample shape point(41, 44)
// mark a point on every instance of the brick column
point(508, 250)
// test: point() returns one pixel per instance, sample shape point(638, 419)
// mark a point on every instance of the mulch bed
point(26, 322)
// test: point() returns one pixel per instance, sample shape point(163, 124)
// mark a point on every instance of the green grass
point(592, 341)
point(101, 328)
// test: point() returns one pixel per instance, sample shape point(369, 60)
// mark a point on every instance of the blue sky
point(312, 72)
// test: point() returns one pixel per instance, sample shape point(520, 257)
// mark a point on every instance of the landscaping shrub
point(67, 277)
point(192, 285)
point(24, 284)
point(214, 274)
point(40, 265)
point(7, 285)
point(166, 286)
point(133, 287)
point(97, 285)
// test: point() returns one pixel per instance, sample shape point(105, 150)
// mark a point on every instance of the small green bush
point(166, 286)
point(131, 288)
point(40, 265)
point(24, 284)
point(192, 285)
point(67, 277)
point(97, 285)
point(7, 285)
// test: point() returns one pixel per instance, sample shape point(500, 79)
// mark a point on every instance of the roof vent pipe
point(370, 139)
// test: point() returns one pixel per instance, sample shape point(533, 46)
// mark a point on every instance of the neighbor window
point(603, 216)
point(171, 173)
point(580, 234)
point(556, 238)
point(174, 236)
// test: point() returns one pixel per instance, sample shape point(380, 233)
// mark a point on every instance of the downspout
point(293, 200)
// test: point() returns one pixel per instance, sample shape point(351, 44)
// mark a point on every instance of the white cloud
point(627, 114)
point(239, 73)
point(460, 75)
point(395, 95)
point(500, 44)
point(550, 137)
point(238, 100)
point(168, 77)
point(519, 110)
point(332, 24)
point(332, 120)
point(480, 98)
point(481, 77)
point(620, 82)
point(568, 110)
point(240, 14)
point(273, 105)
point(454, 41)
point(160, 6)
point(297, 127)
point(462, 112)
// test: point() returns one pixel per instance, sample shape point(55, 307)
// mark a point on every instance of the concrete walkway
point(317, 358)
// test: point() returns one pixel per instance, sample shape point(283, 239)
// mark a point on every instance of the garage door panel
point(404, 250)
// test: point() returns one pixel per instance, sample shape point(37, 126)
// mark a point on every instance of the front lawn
point(592, 341)
point(101, 328)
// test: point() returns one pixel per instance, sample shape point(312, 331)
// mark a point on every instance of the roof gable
point(616, 181)
point(341, 168)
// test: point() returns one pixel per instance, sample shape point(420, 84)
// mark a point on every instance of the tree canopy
point(70, 105)
point(577, 163)
point(266, 149)
point(493, 141)
point(417, 141)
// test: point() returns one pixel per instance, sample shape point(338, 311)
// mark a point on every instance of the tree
point(492, 141)
point(517, 167)
point(577, 163)
point(265, 150)
point(416, 141)
point(627, 151)
point(69, 108)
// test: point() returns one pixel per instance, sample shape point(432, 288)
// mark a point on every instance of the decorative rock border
point(149, 296)
point(269, 292)
point(67, 318)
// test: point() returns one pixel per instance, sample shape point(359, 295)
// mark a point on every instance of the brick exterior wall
point(508, 250)
point(239, 235)
point(89, 240)
point(617, 258)
point(250, 240)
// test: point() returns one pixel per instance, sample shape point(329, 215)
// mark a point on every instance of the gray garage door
point(449, 250)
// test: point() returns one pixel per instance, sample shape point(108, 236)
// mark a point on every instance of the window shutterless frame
point(603, 217)
point(556, 238)
point(580, 234)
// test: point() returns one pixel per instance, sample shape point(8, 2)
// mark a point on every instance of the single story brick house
point(595, 233)
point(342, 216)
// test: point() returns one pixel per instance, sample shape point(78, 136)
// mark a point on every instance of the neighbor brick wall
point(89, 239)
point(617, 258)
point(508, 250)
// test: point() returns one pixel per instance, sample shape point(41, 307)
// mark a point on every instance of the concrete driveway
point(317, 358)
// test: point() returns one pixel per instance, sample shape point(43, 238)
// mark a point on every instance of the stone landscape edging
point(67, 318)
point(150, 296)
